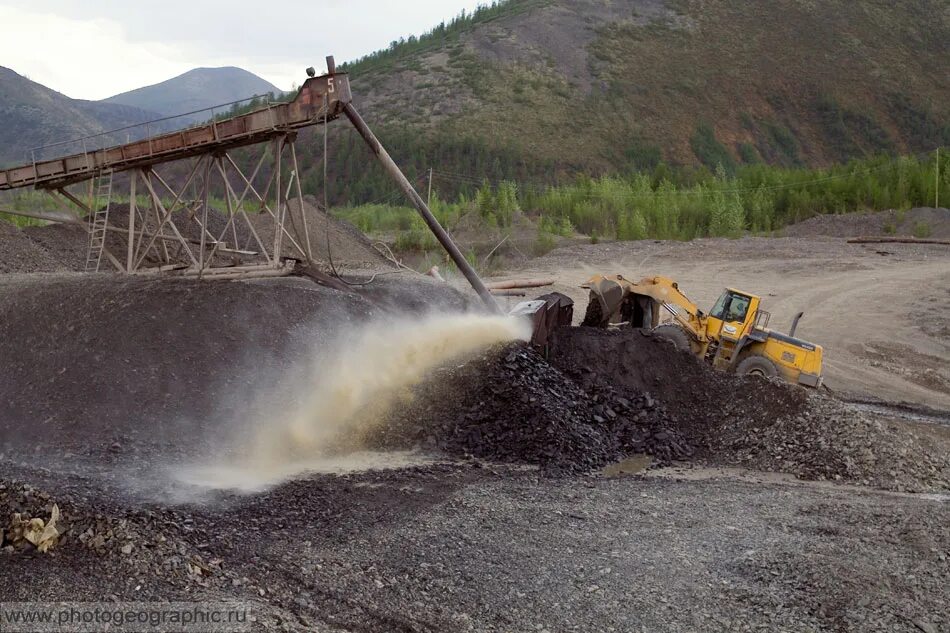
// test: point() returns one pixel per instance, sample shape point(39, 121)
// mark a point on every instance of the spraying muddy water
point(348, 391)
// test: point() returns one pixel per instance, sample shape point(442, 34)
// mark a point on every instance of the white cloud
point(96, 48)
point(88, 59)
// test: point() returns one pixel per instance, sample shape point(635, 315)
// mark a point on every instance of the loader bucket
point(547, 313)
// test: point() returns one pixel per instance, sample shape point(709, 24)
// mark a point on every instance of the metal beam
point(390, 165)
point(239, 206)
point(166, 217)
point(276, 119)
point(130, 250)
point(262, 198)
point(62, 217)
point(303, 212)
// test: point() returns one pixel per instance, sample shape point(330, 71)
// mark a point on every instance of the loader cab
point(733, 315)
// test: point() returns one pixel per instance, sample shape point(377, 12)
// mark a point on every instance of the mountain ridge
point(627, 83)
point(195, 90)
point(33, 115)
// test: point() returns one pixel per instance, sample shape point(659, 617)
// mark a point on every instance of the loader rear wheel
point(756, 365)
point(675, 334)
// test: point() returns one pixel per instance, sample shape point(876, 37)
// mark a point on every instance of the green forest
point(674, 204)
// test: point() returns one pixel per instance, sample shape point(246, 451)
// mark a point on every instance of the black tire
point(594, 316)
point(756, 365)
point(674, 334)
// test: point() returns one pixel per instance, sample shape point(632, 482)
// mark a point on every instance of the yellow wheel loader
point(733, 337)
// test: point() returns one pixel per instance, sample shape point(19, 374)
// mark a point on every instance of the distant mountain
point(195, 90)
point(32, 115)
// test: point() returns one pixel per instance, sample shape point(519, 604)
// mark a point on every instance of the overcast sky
point(92, 49)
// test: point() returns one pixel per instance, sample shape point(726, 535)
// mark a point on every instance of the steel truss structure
point(262, 236)
point(160, 236)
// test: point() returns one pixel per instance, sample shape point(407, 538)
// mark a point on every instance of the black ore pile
point(512, 406)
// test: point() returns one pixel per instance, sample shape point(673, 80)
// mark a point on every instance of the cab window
point(731, 307)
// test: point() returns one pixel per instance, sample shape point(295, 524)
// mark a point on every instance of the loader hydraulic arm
point(609, 294)
point(666, 292)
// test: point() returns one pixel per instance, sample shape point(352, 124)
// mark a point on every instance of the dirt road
point(882, 311)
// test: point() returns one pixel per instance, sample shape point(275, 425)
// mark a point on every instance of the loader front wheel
point(756, 365)
point(674, 334)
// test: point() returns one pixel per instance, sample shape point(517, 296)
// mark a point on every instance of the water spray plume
point(353, 387)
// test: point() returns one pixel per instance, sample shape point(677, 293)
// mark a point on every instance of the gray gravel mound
point(934, 223)
point(66, 244)
point(19, 254)
point(154, 366)
point(828, 440)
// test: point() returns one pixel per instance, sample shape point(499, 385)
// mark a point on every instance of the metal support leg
point(130, 251)
point(380, 152)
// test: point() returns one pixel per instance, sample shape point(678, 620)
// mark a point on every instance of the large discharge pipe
point(390, 165)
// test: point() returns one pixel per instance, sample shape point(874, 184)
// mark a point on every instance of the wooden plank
point(896, 240)
point(520, 283)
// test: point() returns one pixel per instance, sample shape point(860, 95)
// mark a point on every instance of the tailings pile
point(18, 254)
point(761, 424)
point(512, 406)
point(140, 367)
point(63, 247)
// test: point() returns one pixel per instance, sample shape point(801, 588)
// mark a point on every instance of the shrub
point(922, 230)
point(642, 155)
point(544, 243)
point(709, 150)
point(749, 154)
point(786, 142)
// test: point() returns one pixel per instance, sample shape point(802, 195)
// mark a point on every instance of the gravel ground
point(103, 379)
point(419, 550)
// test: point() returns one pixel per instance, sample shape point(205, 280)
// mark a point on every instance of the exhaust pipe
point(798, 317)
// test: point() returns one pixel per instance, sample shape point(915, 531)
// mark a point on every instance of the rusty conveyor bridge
point(150, 241)
point(319, 100)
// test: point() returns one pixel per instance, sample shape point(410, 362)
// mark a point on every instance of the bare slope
point(32, 115)
point(922, 222)
point(597, 84)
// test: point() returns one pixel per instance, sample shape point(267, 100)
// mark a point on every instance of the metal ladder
point(99, 222)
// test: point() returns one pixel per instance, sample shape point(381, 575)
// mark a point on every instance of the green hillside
point(540, 90)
